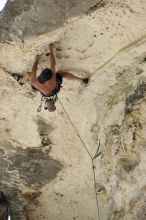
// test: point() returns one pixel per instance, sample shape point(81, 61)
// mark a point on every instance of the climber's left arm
point(35, 65)
point(31, 76)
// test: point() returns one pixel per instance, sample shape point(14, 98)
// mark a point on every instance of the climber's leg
point(70, 76)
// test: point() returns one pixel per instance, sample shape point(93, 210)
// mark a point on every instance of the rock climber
point(49, 81)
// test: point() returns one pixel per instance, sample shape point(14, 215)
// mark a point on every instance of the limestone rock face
point(27, 18)
point(45, 170)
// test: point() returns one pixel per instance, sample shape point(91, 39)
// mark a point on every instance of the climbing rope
point(92, 159)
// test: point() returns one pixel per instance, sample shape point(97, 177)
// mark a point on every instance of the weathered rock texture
point(44, 168)
point(25, 18)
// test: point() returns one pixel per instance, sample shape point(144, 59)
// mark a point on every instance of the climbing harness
point(46, 99)
point(52, 96)
point(92, 158)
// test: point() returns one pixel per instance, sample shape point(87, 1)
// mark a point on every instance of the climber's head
point(50, 105)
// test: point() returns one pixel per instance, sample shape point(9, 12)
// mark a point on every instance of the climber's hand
point(37, 58)
point(85, 81)
point(51, 46)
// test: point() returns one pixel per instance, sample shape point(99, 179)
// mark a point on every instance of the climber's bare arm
point(35, 65)
point(52, 59)
point(67, 75)
point(31, 76)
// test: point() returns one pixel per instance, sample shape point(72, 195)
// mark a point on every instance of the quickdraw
point(45, 98)
point(40, 106)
